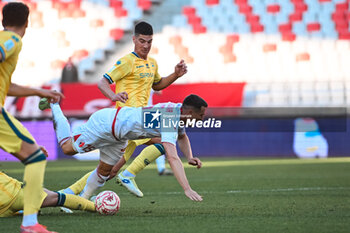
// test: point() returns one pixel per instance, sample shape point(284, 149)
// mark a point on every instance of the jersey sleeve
point(170, 137)
point(9, 45)
point(121, 68)
point(157, 76)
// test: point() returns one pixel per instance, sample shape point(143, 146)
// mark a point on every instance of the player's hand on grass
point(193, 195)
point(195, 162)
point(53, 96)
point(121, 96)
point(180, 69)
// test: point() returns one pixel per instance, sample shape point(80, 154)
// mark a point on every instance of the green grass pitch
point(240, 195)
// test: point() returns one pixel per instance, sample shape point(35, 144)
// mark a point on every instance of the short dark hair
point(143, 28)
point(15, 14)
point(195, 102)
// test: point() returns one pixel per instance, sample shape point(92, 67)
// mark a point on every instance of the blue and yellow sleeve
point(9, 44)
point(121, 69)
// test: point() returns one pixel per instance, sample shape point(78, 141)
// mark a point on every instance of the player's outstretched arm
point(20, 91)
point(185, 147)
point(180, 70)
point(104, 86)
point(179, 171)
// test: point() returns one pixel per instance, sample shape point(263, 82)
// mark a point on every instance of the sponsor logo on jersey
point(146, 75)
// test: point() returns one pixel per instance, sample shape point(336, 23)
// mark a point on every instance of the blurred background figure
point(69, 72)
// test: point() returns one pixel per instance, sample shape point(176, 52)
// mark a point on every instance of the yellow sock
point(79, 185)
point(147, 155)
point(76, 202)
point(33, 182)
point(129, 150)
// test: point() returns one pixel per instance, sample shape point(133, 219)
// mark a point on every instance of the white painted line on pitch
point(253, 191)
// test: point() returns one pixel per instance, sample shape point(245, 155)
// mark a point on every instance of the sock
point(147, 155)
point(33, 186)
point(75, 202)
point(78, 186)
point(129, 150)
point(126, 173)
point(94, 182)
point(160, 163)
point(30, 220)
point(61, 124)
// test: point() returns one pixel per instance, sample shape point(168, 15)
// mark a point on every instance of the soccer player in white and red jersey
point(134, 76)
point(110, 129)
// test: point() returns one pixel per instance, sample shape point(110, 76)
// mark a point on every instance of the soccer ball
point(107, 203)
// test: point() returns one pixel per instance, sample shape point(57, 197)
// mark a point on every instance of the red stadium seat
point(229, 58)
point(273, 9)
point(144, 4)
point(269, 48)
point(302, 57)
point(252, 19)
point(283, 28)
point(198, 29)
point(245, 9)
point(78, 13)
point(211, 2)
point(194, 19)
point(297, 16)
point(288, 36)
point(344, 35)
point(300, 7)
point(116, 3)
point(188, 10)
point(342, 6)
point(80, 54)
point(232, 38)
point(240, 2)
point(312, 27)
point(175, 40)
point(120, 12)
point(256, 27)
point(116, 34)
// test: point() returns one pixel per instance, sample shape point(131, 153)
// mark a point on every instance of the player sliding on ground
point(110, 129)
point(12, 198)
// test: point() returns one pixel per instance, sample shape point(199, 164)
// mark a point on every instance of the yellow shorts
point(141, 141)
point(12, 133)
point(14, 196)
point(132, 144)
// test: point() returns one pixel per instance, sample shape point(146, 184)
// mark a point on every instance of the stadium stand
point(283, 50)
point(288, 52)
point(83, 30)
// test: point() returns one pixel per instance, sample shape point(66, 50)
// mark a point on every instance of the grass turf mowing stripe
point(225, 163)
